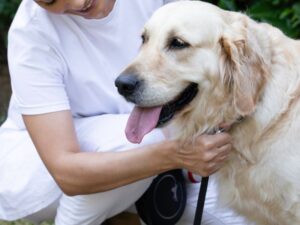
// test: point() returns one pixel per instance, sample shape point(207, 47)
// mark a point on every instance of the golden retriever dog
point(200, 66)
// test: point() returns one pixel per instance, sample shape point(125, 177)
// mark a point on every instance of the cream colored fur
point(242, 68)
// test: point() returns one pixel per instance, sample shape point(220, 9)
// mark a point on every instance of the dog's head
point(198, 65)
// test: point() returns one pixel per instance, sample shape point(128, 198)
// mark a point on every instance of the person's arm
point(78, 172)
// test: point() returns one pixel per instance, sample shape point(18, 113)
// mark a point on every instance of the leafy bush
point(284, 14)
point(7, 12)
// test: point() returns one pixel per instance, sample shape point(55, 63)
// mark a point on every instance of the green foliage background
point(284, 14)
point(7, 12)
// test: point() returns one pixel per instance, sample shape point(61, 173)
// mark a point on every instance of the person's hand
point(205, 154)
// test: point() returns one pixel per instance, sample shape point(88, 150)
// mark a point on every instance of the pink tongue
point(141, 121)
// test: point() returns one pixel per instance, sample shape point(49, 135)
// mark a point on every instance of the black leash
point(201, 200)
point(202, 192)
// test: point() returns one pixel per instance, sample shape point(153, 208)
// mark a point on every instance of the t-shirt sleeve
point(37, 73)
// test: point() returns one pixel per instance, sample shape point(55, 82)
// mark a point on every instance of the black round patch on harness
point(164, 202)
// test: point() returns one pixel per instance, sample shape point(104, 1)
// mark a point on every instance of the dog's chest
point(255, 191)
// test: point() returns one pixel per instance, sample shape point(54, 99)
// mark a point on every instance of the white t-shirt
point(61, 62)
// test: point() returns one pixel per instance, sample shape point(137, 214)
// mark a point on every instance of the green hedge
point(7, 12)
point(284, 14)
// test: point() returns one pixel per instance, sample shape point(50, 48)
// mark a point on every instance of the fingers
point(217, 158)
point(214, 141)
point(222, 152)
point(207, 169)
point(206, 154)
point(222, 139)
point(215, 150)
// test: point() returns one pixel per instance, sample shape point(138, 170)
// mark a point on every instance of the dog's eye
point(177, 43)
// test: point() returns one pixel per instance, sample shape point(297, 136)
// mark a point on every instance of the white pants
point(88, 210)
point(106, 133)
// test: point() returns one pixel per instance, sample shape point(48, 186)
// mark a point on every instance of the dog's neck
point(280, 96)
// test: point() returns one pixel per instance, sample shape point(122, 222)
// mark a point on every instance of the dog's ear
point(242, 66)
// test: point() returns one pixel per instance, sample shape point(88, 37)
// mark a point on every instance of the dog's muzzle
point(127, 84)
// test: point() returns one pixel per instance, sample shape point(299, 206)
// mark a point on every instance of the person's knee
point(47, 213)
point(96, 208)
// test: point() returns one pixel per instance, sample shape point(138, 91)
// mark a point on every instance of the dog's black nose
point(127, 84)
